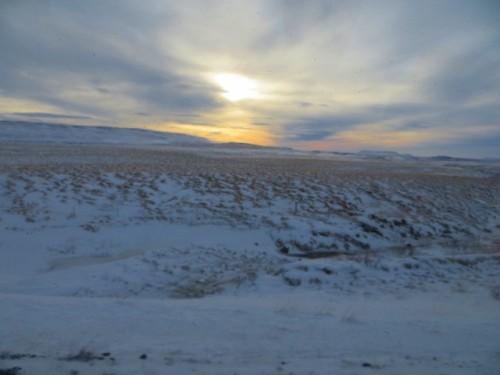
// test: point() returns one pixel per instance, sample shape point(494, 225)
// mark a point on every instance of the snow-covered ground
point(37, 132)
point(205, 260)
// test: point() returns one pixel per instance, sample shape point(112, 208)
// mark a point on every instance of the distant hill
point(248, 146)
point(20, 131)
point(448, 158)
point(392, 155)
point(384, 155)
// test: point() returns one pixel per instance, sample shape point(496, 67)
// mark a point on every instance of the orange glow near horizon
point(367, 138)
point(244, 134)
point(231, 123)
point(383, 138)
point(13, 105)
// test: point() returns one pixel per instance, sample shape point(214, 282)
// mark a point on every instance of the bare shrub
point(495, 292)
point(82, 356)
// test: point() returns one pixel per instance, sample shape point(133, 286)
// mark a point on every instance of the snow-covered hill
point(127, 260)
point(17, 131)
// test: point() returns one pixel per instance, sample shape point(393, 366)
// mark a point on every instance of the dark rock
point(284, 250)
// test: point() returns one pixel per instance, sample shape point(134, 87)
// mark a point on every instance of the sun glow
point(237, 87)
point(223, 133)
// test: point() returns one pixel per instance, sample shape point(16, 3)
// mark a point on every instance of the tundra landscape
point(183, 256)
point(266, 187)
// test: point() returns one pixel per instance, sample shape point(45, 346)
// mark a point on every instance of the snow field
point(215, 263)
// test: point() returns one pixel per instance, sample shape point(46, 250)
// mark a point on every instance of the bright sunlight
point(237, 87)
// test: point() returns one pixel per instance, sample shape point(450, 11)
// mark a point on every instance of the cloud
point(325, 67)
point(311, 135)
point(81, 58)
point(50, 115)
point(318, 128)
point(475, 146)
point(412, 125)
point(399, 116)
point(470, 73)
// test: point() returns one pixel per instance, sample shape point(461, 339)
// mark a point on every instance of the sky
point(420, 77)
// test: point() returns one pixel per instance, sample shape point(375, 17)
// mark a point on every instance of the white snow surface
point(176, 260)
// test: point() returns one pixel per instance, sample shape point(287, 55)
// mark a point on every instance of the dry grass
point(410, 205)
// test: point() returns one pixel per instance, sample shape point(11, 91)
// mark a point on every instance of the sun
point(237, 87)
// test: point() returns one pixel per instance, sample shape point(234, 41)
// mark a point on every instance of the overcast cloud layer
point(410, 76)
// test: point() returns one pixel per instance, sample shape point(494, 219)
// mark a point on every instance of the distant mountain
point(385, 155)
point(392, 155)
point(248, 146)
point(20, 131)
point(447, 158)
point(241, 145)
